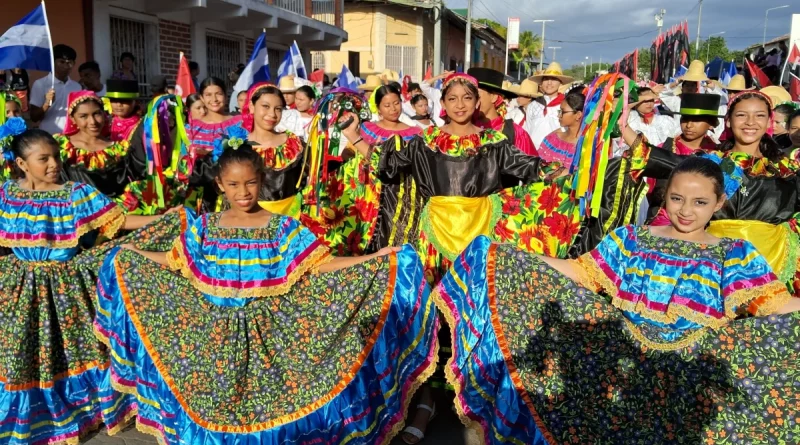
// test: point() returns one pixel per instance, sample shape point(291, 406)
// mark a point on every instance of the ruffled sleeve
point(748, 283)
point(95, 211)
point(246, 263)
point(603, 268)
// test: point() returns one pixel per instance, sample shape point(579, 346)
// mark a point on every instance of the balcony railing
point(296, 6)
point(324, 11)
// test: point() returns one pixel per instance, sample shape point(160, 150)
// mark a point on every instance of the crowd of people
point(556, 262)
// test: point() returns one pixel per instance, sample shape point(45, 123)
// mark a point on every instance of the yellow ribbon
point(771, 241)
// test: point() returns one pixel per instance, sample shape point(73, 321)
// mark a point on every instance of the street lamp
point(591, 63)
point(708, 43)
point(766, 17)
point(541, 54)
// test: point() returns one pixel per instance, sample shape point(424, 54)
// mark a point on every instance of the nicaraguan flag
point(678, 73)
point(729, 73)
point(347, 79)
point(293, 64)
point(27, 44)
point(257, 69)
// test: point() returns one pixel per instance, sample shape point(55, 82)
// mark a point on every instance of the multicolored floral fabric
point(52, 368)
point(92, 160)
point(240, 263)
point(539, 360)
point(460, 146)
point(282, 156)
point(680, 286)
point(54, 221)
point(335, 359)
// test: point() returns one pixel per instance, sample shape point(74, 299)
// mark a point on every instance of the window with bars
point(324, 11)
point(402, 59)
point(317, 60)
point(139, 39)
point(223, 56)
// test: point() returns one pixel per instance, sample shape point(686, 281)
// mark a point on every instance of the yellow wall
point(401, 29)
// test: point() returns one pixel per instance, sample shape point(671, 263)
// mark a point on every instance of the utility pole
point(660, 20)
point(541, 53)
point(584, 69)
point(699, 18)
point(766, 17)
point(437, 39)
point(554, 48)
point(468, 38)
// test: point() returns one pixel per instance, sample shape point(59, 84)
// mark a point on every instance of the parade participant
point(780, 126)
point(657, 128)
point(388, 101)
point(204, 131)
point(296, 120)
point(493, 109)
point(459, 169)
point(664, 352)
point(410, 90)
point(422, 115)
point(560, 145)
point(196, 108)
point(54, 373)
point(434, 96)
point(541, 114)
point(527, 92)
point(761, 182)
point(90, 156)
point(335, 347)
point(694, 81)
point(241, 99)
point(737, 84)
point(288, 87)
point(794, 129)
point(126, 120)
point(49, 94)
point(12, 107)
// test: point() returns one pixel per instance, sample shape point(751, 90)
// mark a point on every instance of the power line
point(586, 42)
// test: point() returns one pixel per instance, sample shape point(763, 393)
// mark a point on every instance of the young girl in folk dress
point(668, 355)
point(53, 372)
point(258, 335)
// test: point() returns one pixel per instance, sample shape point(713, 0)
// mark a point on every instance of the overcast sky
point(592, 20)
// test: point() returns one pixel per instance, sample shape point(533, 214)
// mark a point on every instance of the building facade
point(217, 34)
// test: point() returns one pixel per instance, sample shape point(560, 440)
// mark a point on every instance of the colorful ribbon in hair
point(592, 150)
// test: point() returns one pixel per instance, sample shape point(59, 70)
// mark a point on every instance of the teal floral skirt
point(540, 360)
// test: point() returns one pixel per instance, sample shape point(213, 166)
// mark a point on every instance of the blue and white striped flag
point(257, 69)
point(293, 64)
point(678, 73)
point(27, 44)
point(347, 79)
point(728, 74)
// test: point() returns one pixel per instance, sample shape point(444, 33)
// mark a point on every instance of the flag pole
point(786, 62)
point(52, 57)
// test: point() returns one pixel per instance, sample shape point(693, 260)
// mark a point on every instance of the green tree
point(529, 50)
point(713, 47)
point(496, 27)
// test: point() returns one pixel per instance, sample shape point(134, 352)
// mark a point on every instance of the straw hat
point(286, 84)
point(373, 83)
point(529, 88)
point(737, 83)
point(696, 72)
point(554, 70)
point(777, 94)
point(390, 76)
point(514, 88)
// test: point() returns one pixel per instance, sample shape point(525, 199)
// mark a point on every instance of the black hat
point(491, 80)
point(696, 104)
point(122, 89)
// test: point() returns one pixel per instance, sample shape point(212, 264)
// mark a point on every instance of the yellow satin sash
point(778, 244)
point(452, 222)
point(287, 206)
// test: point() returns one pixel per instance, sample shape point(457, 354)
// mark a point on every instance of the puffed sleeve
point(396, 157)
point(748, 283)
point(603, 268)
point(188, 247)
point(516, 164)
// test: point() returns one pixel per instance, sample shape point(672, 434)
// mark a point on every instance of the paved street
point(445, 430)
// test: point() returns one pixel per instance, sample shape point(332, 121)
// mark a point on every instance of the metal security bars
point(297, 6)
point(324, 11)
point(317, 60)
point(223, 56)
point(402, 59)
point(139, 39)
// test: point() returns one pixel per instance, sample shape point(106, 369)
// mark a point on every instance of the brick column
point(174, 37)
point(309, 8)
point(337, 11)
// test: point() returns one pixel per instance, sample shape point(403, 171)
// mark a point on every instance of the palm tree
point(530, 48)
